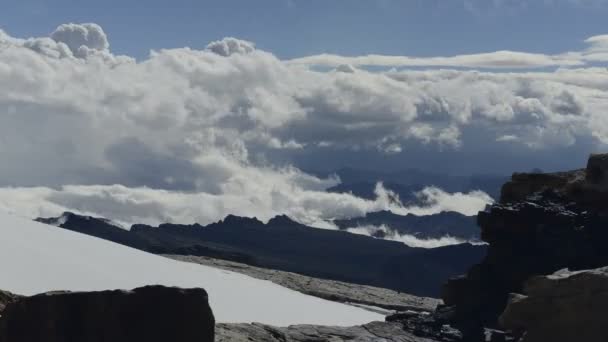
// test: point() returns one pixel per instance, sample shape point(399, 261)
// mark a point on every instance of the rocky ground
point(372, 332)
point(407, 326)
point(374, 298)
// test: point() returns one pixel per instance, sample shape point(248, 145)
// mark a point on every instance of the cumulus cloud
point(229, 128)
point(229, 46)
point(81, 38)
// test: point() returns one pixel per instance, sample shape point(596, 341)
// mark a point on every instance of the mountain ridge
point(286, 245)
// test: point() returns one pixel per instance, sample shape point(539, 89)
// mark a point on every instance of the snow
point(36, 258)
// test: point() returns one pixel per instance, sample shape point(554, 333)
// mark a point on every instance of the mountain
point(426, 227)
point(286, 245)
point(36, 258)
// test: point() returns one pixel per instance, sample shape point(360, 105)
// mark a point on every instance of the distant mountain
point(406, 182)
point(286, 245)
point(425, 227)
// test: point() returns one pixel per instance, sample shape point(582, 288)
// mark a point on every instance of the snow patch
point(36, 258)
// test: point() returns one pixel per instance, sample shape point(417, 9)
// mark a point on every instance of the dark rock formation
point(563, 307)
point(424, 227)
point(286, 245)
point(6, 298)
point(150, 314)
point(543, 223)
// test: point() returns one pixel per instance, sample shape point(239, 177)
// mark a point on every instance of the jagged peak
point(68, 216)
point(283, 221)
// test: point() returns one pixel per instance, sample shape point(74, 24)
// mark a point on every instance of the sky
point(189, 111)
point(295, 28)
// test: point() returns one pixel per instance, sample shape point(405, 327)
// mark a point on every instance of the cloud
point(596, 51)
point(229, 46)
point(229, 129)
point(495, 60)
point(287, 192)
point(81, 38)
point(408, 239)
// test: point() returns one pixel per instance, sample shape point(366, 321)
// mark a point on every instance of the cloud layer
point(196, 134)
point(408, 239)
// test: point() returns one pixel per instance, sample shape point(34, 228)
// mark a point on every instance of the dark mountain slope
point(289, 246)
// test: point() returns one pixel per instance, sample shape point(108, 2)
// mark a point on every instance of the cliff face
point(543, 223)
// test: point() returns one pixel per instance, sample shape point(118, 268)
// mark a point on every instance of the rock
point(564, 307)
point(372, 332)
point(597, 170)
point(153, 313)
point(543, 223)
point(5, 299)
point(370, 297)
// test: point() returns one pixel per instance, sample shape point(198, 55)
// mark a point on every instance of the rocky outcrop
point(543, 223)
point(373, 298)
point(563, 307)
point(373, 332)
point(151, 314)
point(6, 298)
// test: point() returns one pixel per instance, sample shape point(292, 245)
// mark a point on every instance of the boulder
point(151, 314)
point(564, 307)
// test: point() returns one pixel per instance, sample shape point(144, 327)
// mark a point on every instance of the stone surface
point(337, 291)
point(543, 223)
point(151, 314)
point(564, 307)
point(372, 332)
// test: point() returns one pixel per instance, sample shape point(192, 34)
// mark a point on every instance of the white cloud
point(81, 38)
point(215, 130)
point(229, 46)
point(408, 239)
point(498, 59)
point(596, 51)
point(270, 193)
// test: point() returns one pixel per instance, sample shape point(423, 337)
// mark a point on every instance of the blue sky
point(293, 28)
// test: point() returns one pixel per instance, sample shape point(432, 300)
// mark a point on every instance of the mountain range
point(286, 245)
